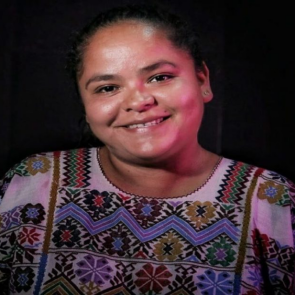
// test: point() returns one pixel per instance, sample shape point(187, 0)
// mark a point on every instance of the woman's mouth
point(148, 124)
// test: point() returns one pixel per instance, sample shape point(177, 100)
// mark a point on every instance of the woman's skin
point(144, 100)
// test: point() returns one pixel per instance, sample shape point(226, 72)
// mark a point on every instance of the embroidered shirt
point(66, 229)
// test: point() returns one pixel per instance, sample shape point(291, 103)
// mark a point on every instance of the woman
point(150, 211)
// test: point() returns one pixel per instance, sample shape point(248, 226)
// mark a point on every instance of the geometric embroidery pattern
point(10, 218)
point(234, 183)
point(77, 168)
point(102, 241)
point(270, 257)
point(143, 235)
point(61, 276)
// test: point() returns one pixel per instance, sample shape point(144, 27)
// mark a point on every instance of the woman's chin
point(146, 153)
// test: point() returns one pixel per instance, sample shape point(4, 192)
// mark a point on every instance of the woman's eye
point(160, 78)
point(106, 89)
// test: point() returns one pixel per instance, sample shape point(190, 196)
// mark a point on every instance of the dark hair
point(178, 31)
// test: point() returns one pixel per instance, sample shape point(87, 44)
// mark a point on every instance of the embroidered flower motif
point(23, 279)
point(67, 234)
point(221, 253)
point(93, 270)
point(168, 248)
point(28, 236)
point(254, 275)
point(271, 191)
point(147, 211)
point(152, 279)
point(38, 164)
point(117, 242)
point(32, 213)
point(260, 242)
point(212, 283)
point(10, 218)
point(98, 202)
point(200, 213)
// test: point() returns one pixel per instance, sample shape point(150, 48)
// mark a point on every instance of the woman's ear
point(204, 80)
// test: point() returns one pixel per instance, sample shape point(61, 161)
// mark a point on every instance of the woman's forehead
point(129, 45)
point(123, 38)
point(128, 28)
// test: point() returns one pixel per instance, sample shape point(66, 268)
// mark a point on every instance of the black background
point(247, 47)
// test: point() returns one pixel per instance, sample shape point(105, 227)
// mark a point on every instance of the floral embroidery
point(211, 283)
point(254, 275)
point(271, 191)
point(67, 234)
point(221, 253)
point(200, 213)
point(152, 279)
point(105, 242)
point(38, 164)
point(92, 270)
point(10, 218)
point(98, 202)
point(147, 211)
point(28, 236)
point(168, 248)
point(117, 242)
point(32, 213)
point(23, 279)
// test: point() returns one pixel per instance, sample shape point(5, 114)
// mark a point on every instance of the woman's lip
point(145, 123)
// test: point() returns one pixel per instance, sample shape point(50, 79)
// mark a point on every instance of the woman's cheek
point(104, 111)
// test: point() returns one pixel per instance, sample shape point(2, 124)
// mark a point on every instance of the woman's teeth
point(152, 123)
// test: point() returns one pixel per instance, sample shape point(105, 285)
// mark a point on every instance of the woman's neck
point(167, 179)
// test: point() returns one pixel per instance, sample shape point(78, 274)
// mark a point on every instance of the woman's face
point(142, 96)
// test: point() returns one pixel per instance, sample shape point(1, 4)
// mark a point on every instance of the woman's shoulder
point(239, 167)
point(32, 165)
point(35, 172)
point(265, 184)
point(40, 163)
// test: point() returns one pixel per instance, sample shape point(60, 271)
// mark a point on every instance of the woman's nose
point(139, 101)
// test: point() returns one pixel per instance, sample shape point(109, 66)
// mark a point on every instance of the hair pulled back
point(178, 31)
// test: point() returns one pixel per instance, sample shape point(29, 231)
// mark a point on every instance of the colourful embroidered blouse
point(65, 229)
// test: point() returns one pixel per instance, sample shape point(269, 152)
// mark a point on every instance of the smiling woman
point(147, 107)
point(150, 211)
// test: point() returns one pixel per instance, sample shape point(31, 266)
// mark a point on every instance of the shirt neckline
point(210, 176)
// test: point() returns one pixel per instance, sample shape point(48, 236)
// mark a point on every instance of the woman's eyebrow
point(98, 78)
point(149, 68)
point(156, 65)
